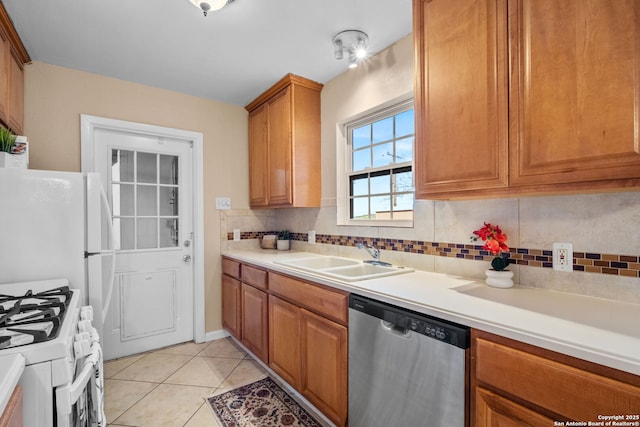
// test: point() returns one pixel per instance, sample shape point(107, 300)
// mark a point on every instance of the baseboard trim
point(215, 335)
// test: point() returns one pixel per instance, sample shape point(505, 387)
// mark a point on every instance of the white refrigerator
point(57, 225)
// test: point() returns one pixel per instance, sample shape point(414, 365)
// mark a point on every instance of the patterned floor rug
point(262, 403)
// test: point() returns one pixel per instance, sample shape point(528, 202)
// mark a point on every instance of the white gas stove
point(62, 380)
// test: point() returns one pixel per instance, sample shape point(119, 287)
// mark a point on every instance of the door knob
point(186, 258)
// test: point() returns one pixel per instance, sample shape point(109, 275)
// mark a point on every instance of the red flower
point(495, 240)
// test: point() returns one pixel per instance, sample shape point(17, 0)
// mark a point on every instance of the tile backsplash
point(603, 228)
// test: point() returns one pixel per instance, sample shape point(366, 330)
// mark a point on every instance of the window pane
point(147, 233)
point(361, 159)
point(381, 207)
point(361, 137)
point(383, 130)
point(123, 232)
point(402, 202)
point(122, 165)
point(360, 185)
point(404, 150)
point(404, 124)
point(168, 169)
point(360, 208)
point(147, 200)
point(169, 201)
point(404, 181)
point(383, 155)
point(123, 201)
point(169, 233)
point(147, 168)
point(381, 184)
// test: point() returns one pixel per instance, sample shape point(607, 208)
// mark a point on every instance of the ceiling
point(231, 55)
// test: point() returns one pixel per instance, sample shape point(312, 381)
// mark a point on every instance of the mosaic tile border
point(590, 262)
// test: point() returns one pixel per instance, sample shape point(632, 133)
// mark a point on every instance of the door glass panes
point(168, 169)
point(381, 177)
point(145, 204)
point(146, 167)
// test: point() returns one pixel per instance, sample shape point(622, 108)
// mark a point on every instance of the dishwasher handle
point(395, 329)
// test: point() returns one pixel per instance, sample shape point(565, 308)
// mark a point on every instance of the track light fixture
point(354, 42)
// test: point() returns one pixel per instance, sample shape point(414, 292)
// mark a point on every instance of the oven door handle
point(68, 395)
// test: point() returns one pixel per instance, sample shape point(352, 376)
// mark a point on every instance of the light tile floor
point(168, 387)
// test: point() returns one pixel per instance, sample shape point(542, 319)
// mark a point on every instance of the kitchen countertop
point(11, 368)
point(594, 329)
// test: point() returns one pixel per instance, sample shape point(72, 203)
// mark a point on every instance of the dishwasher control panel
point(409, 320)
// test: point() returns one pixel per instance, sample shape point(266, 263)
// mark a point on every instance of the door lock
point(186, 243)
point(186, 258)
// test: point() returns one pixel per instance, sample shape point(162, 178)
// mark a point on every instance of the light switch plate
point(223, 203)
point(236, 234)
point(312, 237)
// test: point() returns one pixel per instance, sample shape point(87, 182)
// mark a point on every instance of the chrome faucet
point(375, 253)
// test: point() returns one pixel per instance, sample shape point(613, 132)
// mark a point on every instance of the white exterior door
point(148, 180)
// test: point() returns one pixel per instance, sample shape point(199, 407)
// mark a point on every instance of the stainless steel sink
point(344, 269)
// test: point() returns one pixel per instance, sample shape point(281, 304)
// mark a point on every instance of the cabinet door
point(16, 94)
point(4, 76)
point(231, 305)
point(279, 124)
point(461, 102)
point(284, 340)
point(258, 158)
point(493, 410)
point(255, 317)
point(325, 365)
point(574, 92)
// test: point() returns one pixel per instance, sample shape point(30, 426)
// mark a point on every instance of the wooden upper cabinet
point(460, 96)
point(12, 57)
point(522, 97)
point(280, 149)
point(574, 91)
point(284, 145)
point(258, 161)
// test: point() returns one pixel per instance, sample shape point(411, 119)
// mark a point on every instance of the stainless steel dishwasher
point(405, 368)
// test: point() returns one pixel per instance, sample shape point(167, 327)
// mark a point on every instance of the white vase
point(283, 245)
point(499, 279)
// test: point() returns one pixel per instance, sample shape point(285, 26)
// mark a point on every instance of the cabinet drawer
point(254, 276)
point(563, 389)
point(231, 268)
point(329, 303)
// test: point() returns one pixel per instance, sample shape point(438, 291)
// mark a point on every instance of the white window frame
point(343, 162)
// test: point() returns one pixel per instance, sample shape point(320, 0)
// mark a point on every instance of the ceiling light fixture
point(210, 5)
point(354, 42)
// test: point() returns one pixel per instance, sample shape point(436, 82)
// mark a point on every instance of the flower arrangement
point(495, 242)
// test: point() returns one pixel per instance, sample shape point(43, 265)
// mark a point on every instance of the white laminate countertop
point(11, 368)
point(594, 329)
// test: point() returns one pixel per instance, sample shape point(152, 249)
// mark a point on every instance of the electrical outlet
point(223, 203)
point(311, 237)
point(236, 234)
point(563, 256)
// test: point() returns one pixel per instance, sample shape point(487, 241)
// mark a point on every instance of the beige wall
point(55, 97)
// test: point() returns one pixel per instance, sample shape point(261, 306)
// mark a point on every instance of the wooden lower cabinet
point(284, 340)
point(232, 305)
point(493, 410)
point(325, 365)
point(516, 384)
point(255, 321)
